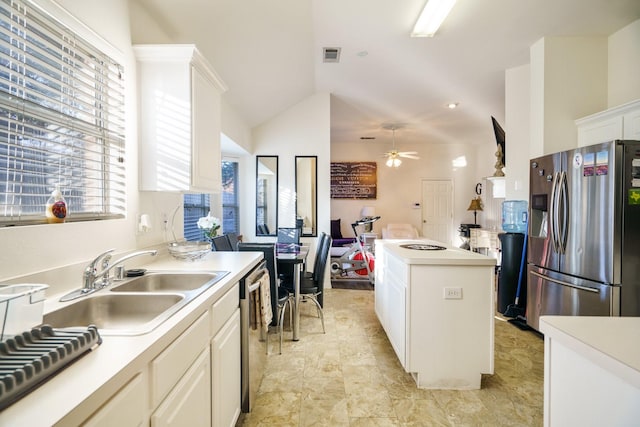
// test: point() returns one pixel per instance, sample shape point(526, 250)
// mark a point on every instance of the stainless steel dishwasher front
point(253, 344)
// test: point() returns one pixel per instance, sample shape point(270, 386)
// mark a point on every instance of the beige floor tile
point(350, 376)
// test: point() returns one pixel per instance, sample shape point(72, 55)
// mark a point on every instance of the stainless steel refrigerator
point(584, 232)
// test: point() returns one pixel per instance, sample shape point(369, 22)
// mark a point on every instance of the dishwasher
point(253, 348)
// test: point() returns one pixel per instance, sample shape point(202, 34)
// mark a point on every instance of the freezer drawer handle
point(571, 285)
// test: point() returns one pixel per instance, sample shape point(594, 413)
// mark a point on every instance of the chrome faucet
point(91, 276)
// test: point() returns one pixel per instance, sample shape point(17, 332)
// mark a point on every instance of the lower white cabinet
point(126, 408)
point(194, 381)
point(225, 367)
point(189, 402)
point(438, 314)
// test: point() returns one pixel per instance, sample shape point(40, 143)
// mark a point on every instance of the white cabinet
point(391, 286)
point(622, 122)
point(591, 370)
point(175, 360)
point(179, 119)
point(225, 366)
point(194, 381)
point(437, 311)
point(189, 402)
point(125, 409)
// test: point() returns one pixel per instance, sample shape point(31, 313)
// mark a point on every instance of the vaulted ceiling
point(269, 53)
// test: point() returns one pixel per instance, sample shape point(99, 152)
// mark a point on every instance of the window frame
point(107, 199)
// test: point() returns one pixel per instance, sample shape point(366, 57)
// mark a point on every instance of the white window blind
point(61, 120)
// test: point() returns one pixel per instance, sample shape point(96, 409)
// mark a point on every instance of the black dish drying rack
point(29, 359)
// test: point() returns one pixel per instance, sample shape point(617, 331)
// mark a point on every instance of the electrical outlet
point(452, 293)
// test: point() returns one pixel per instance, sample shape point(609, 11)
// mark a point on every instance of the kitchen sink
point(135, 306)
point(117, 314)
point(169, 282)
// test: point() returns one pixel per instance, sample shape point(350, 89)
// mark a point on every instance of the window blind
point(196, 206)
point(61, 120)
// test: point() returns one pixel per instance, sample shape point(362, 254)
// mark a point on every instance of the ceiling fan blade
point(409, 156)
point(407, 152)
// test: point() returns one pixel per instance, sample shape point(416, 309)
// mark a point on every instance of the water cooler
point(514, 223)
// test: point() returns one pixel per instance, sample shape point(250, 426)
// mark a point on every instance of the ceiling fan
point(393, 156)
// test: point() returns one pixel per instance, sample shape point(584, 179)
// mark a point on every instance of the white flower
point(210, 224)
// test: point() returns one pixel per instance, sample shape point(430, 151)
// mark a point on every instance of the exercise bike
point(357, 258)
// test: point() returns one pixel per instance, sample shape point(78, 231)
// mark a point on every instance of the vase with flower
point(209, 225)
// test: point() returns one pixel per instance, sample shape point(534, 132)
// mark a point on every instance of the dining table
point(287, 256)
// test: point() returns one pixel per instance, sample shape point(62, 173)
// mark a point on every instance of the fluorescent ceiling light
point(432, 16)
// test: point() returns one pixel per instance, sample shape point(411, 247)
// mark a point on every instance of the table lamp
point(475, 206)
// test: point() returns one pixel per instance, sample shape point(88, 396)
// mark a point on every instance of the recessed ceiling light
point(362, 53)
point(452, 105)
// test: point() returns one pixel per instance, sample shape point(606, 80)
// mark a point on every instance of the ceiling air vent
point(331, 54)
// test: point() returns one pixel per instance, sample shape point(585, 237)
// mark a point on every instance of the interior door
point(437, 210)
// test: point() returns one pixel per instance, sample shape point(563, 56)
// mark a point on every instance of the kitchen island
point(437, 307)
point(591, 370)
point(148, 379)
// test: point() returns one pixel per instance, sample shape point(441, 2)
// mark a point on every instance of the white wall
point(568, 81)
point(624, 65)
point(518, 139)
point(302, 130)
point(399, 188)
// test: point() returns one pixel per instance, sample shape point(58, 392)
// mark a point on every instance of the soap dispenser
point(56, 210)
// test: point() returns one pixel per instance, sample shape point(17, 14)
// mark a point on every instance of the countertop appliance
point(253, 351)
point(584, 230)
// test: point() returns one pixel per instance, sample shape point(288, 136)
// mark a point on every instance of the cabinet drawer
point(224, 308)
point(173, 362)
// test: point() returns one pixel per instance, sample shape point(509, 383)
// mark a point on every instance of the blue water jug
point(514, 216)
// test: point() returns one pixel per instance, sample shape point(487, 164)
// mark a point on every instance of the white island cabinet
point(591, 371)
point(437, 309)
point(180, 119)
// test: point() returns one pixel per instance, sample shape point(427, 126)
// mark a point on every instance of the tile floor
point(350, 376)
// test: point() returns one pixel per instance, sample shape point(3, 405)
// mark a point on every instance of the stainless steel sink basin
point(117, 314)
point(136, 306)
point(169, 282)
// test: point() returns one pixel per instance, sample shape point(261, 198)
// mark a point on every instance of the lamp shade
point(475, 205)
point(368, 211)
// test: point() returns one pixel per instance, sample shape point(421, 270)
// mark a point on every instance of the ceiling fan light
point(393, 162)
point(431, 17)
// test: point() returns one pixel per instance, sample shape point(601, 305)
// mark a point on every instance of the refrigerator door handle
point(561, 282)
point(553, 212)
point(564, 199)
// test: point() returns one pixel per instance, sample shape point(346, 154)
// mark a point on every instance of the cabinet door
point(600, 131)
point(225, 366)
point(396, 318)
point(125, 409)
point(206, 167)
point(189, 403)
point(632, 125)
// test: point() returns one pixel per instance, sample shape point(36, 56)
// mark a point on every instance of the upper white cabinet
point(179, 119)
point(622, 122)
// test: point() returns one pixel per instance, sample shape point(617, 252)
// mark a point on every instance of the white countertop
point(449, 256)
point(102, 372)
point(611, 342)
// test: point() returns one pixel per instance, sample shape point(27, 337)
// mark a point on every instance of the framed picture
point(354, 180)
